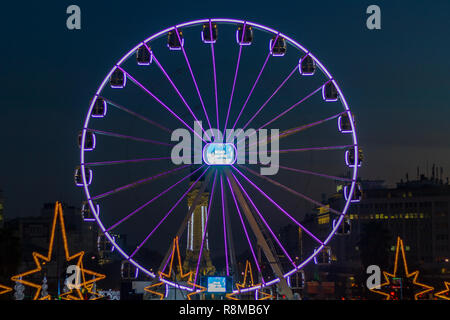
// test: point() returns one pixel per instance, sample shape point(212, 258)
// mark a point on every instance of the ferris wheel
point(212, 78)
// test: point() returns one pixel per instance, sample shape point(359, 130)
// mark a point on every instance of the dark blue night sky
point(395, 79)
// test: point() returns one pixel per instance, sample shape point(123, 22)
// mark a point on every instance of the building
point(417, 211)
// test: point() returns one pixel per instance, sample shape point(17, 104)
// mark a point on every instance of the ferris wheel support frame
point(282, 284)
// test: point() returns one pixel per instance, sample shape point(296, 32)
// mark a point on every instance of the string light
point(4, 289)
point(40, 260)
point(444, 294)
point(239, 286)
point(168, 275)
point(388, 276)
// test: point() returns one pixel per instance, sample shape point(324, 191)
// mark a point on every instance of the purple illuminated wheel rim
point(194, 23)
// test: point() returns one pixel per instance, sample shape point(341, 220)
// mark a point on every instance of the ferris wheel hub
point(219, 154)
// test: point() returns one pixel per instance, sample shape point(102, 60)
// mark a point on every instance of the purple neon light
point(121, 86)
point(301, 195)
point(195, 22)
point(168, 259)
point(277, 205)
point(253, 87)
point(241, 41)
point(207, 41)
point(113, 162)
point(300, 67)
point(137, 115)
point(270, 98)
point(215, 76)
point(122, 136)
point(206, 227)
point(168, 213)
point(292, 107)
point(347, 159)
point(304, 127)
point(245, 229)
point(234, 81)
point(159, 101)
point(310, 125)
point(323, 92)
point(316, 174)
point(195, 83)
point(176, 89)
point(77, 174)
point(138, 182)
point(224, 227)
point(271, 46)
point(341, 130)
point(104, 110)
point(286, 111)
point(150, 201)
point(307, 149)
point(85, 210)
point(94, 141)
point(151, 56)
point(265, 222)
point(180, 40)
point(348, 196)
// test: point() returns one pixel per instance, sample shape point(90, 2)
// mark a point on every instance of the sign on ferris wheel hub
point(219, 154)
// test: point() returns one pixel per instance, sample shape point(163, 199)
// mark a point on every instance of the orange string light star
point(444, 294)
point(182, 275)
point(4, 289)
point(248, 271)
point(40, 260)
point(413, 275)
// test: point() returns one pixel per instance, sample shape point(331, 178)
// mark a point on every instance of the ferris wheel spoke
point(153, 199)
point(114, 162)
point(138, 182)
point(206, 227)
point(193, 79)
point(309, 125)
point(174, 87)
point(256, 82)
point(270, 98)
point(286, 111)
point(278, 206)
point(137, 115)
point(317, 174)
point(292, 107)
point(169, 212)
point(122, 136)
point(215, 75)
point(301, 195)
point(234, 82)
point(265, 223)
point(308, 149)
point(140, 85)
point(245, 229)
point(289, 132)
point(224, 226)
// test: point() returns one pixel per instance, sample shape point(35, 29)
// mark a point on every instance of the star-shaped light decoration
point(196, 289)
point(4, 289)
point(248, 271)
point(444, 294)
point(40, 260)
point(410, 276)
